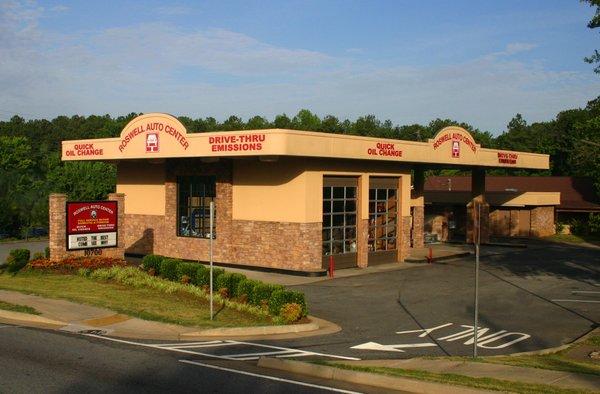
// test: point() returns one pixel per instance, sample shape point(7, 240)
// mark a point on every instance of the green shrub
point(578, 227)
point(246, 288)
point(47, 252)
point(291, 312)
point(281, 297)
point(38, 256)
point(559, 227)
point(17, 259)
point(187, 269)
point(594, 223)
point(230, 281)
point(262, 292)
point(168, 269)
point(203, 276)
point(152, 261)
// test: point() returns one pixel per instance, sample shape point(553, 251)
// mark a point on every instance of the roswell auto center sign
point(91, 225)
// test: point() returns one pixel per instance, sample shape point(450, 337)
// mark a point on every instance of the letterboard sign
point(91, 225)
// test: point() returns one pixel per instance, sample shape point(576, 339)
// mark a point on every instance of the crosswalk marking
point(190, 348)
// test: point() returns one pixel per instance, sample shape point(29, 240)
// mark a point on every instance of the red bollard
point(331, 267)
point(430, 257)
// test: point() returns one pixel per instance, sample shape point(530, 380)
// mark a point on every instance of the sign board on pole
point(92, 225)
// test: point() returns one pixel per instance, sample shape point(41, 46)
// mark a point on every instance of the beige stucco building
point(284, 199)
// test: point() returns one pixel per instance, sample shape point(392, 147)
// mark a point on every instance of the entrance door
point(383, 211)
point(339, 221)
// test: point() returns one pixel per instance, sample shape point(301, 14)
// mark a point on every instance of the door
point(339, 221)
point(383, 211)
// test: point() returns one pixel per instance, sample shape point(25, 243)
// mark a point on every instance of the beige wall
point(143, 183)
point(291, 189)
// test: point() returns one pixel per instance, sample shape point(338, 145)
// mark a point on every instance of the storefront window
point(339, 219)
point(382, 219)
point(195, 193)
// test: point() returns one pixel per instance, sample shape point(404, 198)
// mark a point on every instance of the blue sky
point(478, 62)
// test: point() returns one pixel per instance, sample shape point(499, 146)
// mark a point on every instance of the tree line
point(31, 169)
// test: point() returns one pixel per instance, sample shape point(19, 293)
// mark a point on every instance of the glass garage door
point(339, 221)
point(383, 211)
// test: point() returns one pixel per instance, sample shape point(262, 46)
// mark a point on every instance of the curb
point(555, 349)
point(441, 258)
point(251, 331)
point(363, 378)
point(28, 319)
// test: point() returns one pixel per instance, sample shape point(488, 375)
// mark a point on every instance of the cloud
point(219, 72)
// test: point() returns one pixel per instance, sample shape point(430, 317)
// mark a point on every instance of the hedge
point(152, 261)
point(168, 268)
point(229, 281)
point(203, 276)
point(17, 259)
point(188, 269)
point(262, 292)
point(281, 297)
point(246, 287)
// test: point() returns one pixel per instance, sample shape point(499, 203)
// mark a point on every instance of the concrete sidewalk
point(72, 317)
point(496, 371)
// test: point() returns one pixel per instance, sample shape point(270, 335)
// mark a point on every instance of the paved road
point(51, 362)
point(33, 246)
point(530, 299)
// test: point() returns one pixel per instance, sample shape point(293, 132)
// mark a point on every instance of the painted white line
point(184, 343)
point(584, 301)
point(262, 353)
point(584, 292)
point(158, 347)
point(201, 346)
point(425, 331)
point(304, 351)
point(268, 377)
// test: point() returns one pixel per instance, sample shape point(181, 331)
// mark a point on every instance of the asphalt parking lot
point(33, 246)
point(530, 299)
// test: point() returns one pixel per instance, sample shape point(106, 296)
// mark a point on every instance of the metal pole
point(476, 316)
point(210, 255)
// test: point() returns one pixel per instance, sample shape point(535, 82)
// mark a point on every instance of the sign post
point(476, 308)
point(210, 255)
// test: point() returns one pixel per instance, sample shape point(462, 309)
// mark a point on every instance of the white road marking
point(584, 292)
point(269, 377)
point(303, 351)
point(262, 353)
point(188, 348)
point(584, 301)
point(425, 331)
point(391, 348)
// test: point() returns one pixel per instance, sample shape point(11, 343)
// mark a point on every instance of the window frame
point(203, 188)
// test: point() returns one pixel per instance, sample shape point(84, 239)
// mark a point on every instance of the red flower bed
point(74, 263)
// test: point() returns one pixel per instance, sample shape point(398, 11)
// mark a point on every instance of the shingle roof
point(575, 193)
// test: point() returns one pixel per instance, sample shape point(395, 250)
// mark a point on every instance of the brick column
point(119, 251)
point(58, 232)
point(362, 222)
point(418, 208)
point(404, 219)
point(478, 199)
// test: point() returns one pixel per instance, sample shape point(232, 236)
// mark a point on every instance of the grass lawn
point(574, 239)
point(460, 380)
point(148, 304)
point(7, 306)
point(558, 361)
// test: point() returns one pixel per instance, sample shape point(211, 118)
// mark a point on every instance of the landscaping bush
point(246, 289)
point(47, 252)
point(203, 276)
point(594, 223)
point(168, 269)
point(262, 292)
point(187, 269)
point(230, 281)
point(281, 297)
point(38, 256)
point(17, 259)
point(291, 313)
point(152, 261)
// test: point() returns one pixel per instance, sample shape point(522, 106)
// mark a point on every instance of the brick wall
point(418, 239)
point(542, 221)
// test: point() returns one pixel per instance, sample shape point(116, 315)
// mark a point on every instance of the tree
point(282, 122)
point(592, 24)
point(257, 123)
point(306, 120)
